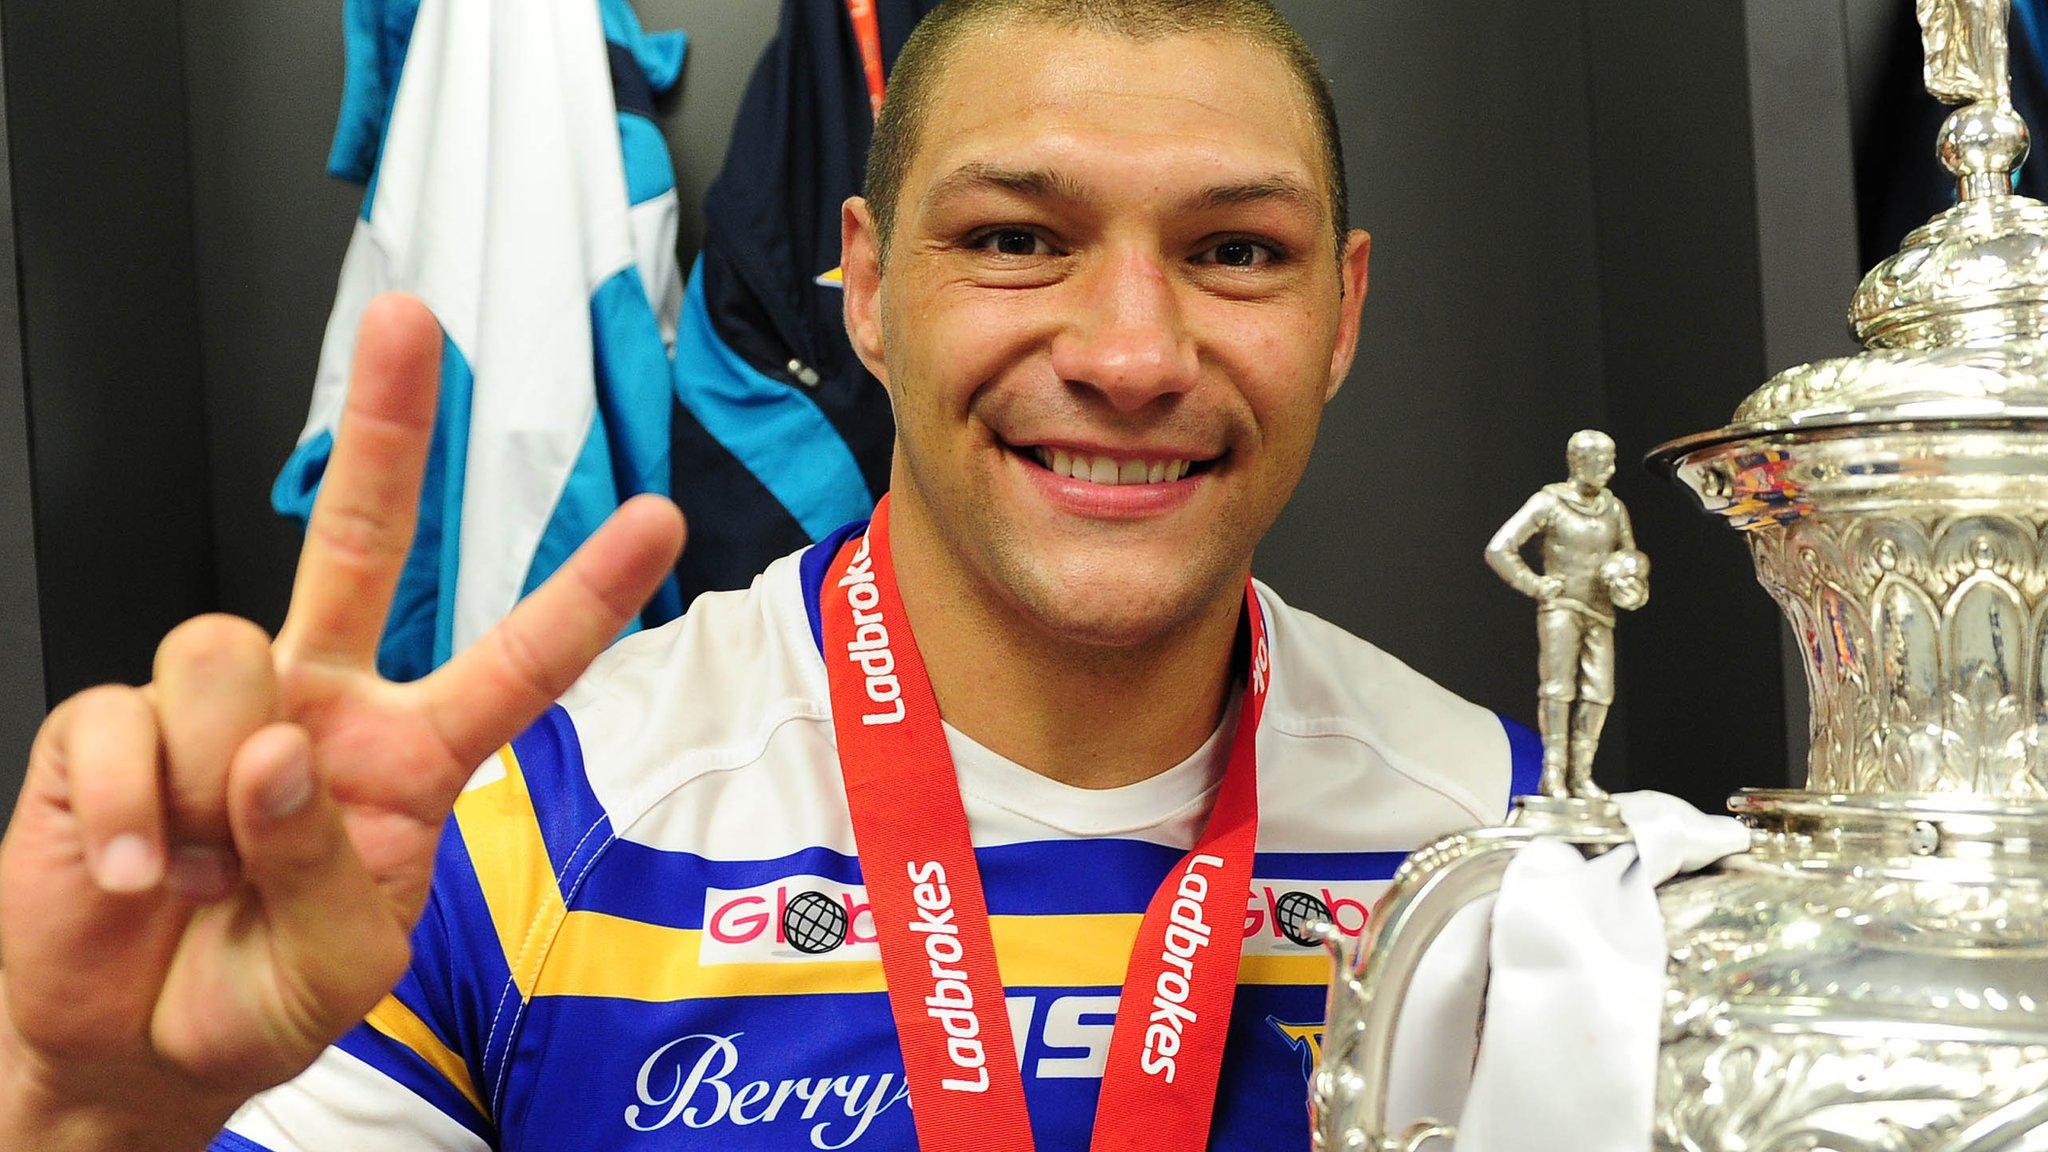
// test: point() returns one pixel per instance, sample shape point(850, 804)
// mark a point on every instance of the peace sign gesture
point(210, 878)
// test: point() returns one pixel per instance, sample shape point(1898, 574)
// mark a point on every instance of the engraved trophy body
point(1872, 976)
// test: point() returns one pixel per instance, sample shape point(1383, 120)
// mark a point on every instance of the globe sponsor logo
point(796, 919)
point(1280, 916)
point(814, 923)
point(695, 1081)
point(1302, 918)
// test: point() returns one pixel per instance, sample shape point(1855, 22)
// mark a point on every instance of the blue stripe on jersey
point(671, 889)
point(1525, 759)
point(229, 1142)
point(1328, 865)
point(573, 824)
point(668, 888)
point(405, 1066)
point(811, 574)
point(773, 429)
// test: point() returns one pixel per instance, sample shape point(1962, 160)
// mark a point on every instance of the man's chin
point(1134, 609)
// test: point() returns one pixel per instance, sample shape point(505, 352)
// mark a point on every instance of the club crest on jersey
point(1306, 1039)
point(795, 919)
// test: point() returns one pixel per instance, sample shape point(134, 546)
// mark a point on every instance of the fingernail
point(200, 872)
point(128, 864)
point(288, 791)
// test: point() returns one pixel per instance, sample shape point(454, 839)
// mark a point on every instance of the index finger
point(486, 694)
point(362, 523)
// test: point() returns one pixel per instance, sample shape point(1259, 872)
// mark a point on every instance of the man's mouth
point(1114, 470)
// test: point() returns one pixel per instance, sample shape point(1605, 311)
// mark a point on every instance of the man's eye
point(1012, 242)
point(1238, 254)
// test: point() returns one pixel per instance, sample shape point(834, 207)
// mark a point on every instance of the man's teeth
point(1110, 470)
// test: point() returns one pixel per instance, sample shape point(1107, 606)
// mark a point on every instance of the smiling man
point(1007, 820)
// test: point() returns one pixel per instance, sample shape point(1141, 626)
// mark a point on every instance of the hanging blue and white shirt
point(516, 183)
point(781, 435)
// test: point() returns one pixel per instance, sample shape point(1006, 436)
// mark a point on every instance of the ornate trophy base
point(1572, 817)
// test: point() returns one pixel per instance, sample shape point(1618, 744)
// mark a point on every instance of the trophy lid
point(1956, 322)
point(1976, 273)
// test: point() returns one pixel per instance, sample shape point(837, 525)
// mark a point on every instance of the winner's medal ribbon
point(931, 917)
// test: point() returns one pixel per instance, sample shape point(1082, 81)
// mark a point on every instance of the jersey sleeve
point(411, 1075)
point(431, 1067)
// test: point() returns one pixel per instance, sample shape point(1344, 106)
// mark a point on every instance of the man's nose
point(1127, 337)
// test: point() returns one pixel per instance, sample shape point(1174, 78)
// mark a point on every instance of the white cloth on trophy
point(1569, 961)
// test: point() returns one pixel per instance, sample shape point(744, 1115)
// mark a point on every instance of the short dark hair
point(925, 55)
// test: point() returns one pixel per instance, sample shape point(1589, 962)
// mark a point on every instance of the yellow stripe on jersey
point(398, 1022)
point(502, 834)
point(602, 955)
point(1297, 968)
point(1064, 951)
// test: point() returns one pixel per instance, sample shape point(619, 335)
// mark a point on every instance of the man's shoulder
point(1356, 717)
point(704, 693)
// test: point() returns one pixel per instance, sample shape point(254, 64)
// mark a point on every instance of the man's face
point(1110, 317)
point(1591, 467)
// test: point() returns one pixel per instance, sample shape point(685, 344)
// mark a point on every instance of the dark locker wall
point(1568, 215)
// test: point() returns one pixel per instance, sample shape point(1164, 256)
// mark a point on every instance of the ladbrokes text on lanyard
point(938, 957)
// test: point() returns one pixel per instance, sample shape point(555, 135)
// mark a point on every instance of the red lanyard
point(938, 957)
point(867, 32)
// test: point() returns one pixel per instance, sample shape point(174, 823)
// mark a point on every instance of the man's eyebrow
point(1277, 187)
point(1033, 183)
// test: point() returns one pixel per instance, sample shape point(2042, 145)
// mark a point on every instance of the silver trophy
point(1872, 976)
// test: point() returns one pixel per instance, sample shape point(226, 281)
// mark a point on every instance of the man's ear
point(1351, 272)
point(860, 265)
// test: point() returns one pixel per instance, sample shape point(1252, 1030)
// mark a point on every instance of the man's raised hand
point(210, 878)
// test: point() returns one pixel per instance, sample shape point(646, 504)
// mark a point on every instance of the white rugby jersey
point(647, 928)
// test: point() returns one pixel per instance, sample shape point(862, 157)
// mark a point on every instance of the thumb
point(337, 941)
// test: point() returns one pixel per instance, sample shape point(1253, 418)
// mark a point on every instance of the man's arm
point(1504, 551)
point(210, 879)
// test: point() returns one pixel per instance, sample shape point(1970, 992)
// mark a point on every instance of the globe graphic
point(1299, 915)
point(814, 923)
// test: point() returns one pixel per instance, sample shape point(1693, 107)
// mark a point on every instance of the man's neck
point(1088, 715)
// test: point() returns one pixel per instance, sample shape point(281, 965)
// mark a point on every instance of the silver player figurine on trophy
point(1590, 568)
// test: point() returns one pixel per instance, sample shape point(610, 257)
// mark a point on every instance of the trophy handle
point(1348, 1105)
point(2021, 1126)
